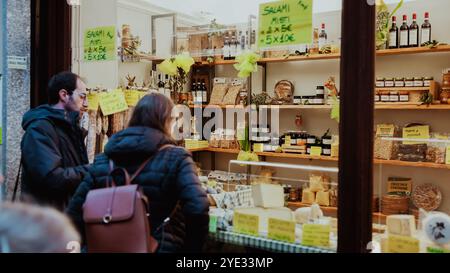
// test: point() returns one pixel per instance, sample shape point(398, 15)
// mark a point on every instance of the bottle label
point(413, 37)
point(393, 39)
point(404, 38)
point(426, 35)
point(322, 42)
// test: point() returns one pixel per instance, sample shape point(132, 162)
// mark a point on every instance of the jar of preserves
point(399, 82)
point(418, 82)
point(393, 96)
point(404, 96)
point(379, 82)
point(409, 82)
point(389, 82)
point(427, 81)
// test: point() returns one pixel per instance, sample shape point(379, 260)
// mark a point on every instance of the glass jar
point(385, 96)
point(393, 96)
point(320, 91)
point(399, 82)
point(409, 82)
point(418, 82)
point(379, 82)
point(298, 100)
point(389, 82)
point(427, 81)
point(404, 96)
point(377, 97)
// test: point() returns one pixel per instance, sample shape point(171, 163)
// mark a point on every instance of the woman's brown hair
point(154, 111)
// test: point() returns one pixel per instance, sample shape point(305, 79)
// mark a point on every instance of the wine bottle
point(167, 87)
point(426, 30)
point(393, 34)
point(414, 32)
point(404, 33)
point(323, 37)
point(226, 48)
point(160, 84)
point(194, 91)
point(204, 92)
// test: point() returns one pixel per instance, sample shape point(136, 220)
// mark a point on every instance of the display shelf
point(396, 106)
point(378, 106)
point(328, 158)
point(332, 211)
point(386, 52)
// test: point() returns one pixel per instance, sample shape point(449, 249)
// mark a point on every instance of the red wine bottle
point(414, 32)
point(393, 34)
point(404, 33)
point(426, 30)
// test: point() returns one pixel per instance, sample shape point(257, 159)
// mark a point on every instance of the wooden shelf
point(332, 159)
point(386, 52)
point(378, 89)
point(395, 106)
point(317, 107)
point(332, 211)
point(298, 156)
point(413, 50)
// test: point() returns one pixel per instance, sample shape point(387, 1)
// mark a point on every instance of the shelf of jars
point(312, 57)
point(328, 158)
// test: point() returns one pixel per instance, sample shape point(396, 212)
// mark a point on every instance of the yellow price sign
point(447, 161)
point(282, 230)
point(100, 44)
point(113, 102)
point(316, 235)
point(93, 101)
point(316, 151)
point(416, 132)
point(403, 244)
point(246, 224)
point(133, 97)
point(286, 22)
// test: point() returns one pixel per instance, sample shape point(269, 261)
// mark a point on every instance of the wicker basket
point(394, 204)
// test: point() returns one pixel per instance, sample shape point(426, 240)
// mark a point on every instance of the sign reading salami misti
point(283, 23)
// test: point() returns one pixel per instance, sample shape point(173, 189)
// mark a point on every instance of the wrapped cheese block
point(302, 215)
point(404, 225)
point(323, 198)
point(268, 195)
point(308, 197)
point(316, 183)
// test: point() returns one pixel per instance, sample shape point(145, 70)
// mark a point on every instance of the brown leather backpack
point(116, 217)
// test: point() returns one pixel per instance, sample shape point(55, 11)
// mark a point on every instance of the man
point(54, 156)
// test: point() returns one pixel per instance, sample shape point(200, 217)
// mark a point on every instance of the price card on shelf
point(133, 97)
point(316, 151)
point(403, 244)
point(416, 132)
point(447, 161)
point(316, 235)
point(437, 250)
point(100, 44)
point(246, 224)
point(286, 22)
point(212, 224)
point(113, 102)
point(93, 102)
point(282, 230)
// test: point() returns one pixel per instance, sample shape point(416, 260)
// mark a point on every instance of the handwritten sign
point(447, 161)
point(316, 235)
point(403, 244)
point(286, 22)
point(113, 102)
point(100, 44)
point(416, 132)
point(316, 151)
point(282, 230)
point(385, 130)
point(212, 224)
point(246, 224)
point(399, 185)
point(93, 101)
point(133, 97)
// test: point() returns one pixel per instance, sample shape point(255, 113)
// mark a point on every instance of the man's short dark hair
point(64, 80)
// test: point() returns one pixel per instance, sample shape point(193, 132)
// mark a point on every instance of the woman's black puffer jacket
point(169, 181)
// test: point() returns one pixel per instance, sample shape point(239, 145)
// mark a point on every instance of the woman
point(169, 180)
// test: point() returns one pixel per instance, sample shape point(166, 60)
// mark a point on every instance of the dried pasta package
point(233, 92)
point(436, 150)
point(385, 149)
point(219, 91)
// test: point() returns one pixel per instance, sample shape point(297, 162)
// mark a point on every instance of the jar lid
point(399, 79)
point(428, 78)
point(389, 79)
point(321, 87)
point(409, 79)
point(380, 79)
point(418, 78)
